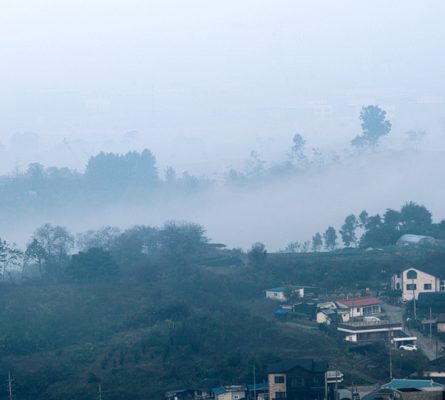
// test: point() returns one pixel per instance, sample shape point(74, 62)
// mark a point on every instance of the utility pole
point(390, 355)
point(100, 392)
point(431, 323)
point(9, 386)
point(254, 382)
point(414, 301)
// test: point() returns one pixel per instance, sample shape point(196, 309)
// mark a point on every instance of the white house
point(232, 392)
point(362, 306)
point(279, 293)
point(413, 281)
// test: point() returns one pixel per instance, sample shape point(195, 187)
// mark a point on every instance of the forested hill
point(157, 324)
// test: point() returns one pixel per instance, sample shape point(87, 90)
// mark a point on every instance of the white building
point(232, 392)
point(362, 306)
point(279, 293)
point(413, 281)
point(369, 331)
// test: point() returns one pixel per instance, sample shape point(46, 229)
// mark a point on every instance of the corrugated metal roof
point(277, 289)
point(410, 384)
point(361, 301)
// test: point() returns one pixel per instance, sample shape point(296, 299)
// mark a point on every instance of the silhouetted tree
point(92, 265)
point(317, 242)
point(347, 231)
point(330, 238)
point(35, 253)
point(374, 125)
point(103, 238)
point(415, 218)
point(56, 242)
point(363, 219)
point(257, 254)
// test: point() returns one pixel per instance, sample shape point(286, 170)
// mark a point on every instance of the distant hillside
point(159, 328)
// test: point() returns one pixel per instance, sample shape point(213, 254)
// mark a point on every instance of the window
point(411, 274)
point(411, 286)
point(280, 395)
point(427, 286)
point(279, 379)
point(297, 382)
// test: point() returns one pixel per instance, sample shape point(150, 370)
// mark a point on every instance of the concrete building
point(370, 331)
point(412, 281)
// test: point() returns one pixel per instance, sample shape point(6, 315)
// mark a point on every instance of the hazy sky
point(204, 82)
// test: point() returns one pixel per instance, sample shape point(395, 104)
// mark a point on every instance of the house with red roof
point(362, 306)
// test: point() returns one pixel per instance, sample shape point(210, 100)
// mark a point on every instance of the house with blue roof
point(280, 293)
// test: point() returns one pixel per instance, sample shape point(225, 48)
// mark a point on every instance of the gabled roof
point(307, 364)
point(229, 388)
point(410, 384)
point(328, 311)
point(436, 365)
point(361, 301)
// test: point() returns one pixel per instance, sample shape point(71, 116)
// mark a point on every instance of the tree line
point(364, 230)
point(54, 253)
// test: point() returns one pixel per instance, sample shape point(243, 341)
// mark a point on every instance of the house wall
point(275, 295)
point(434, 374)
point(300, 292)
point(274, 388)
point(422, 279)
point(322, 318)
point(356, 312)
point(235, 395)
point(423, 395)
point(344, 317)
point(441, 327)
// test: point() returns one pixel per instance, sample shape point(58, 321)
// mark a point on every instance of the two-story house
point(412, 281)
point(303, 379)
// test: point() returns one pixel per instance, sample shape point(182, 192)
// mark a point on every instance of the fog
point(202, 84)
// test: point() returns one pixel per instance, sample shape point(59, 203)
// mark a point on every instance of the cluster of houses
point(359, 319)
point(303, 379)
point(309, 379)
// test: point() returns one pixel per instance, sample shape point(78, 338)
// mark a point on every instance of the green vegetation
point(142, 312)
point(368, 231)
